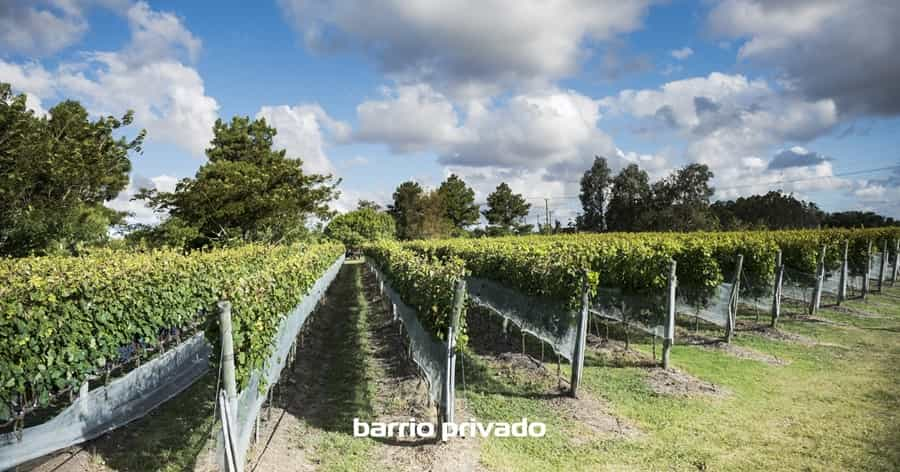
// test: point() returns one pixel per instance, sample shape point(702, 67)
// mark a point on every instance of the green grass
point(833, 407)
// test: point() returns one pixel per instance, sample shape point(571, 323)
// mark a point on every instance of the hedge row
point(66, 319)
point(424, 283)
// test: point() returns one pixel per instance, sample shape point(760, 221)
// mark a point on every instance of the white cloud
point(41, 28)
point(167, 96)
point(682, 53)
point(840, 49)
point(302, 132)
point(139, 213)
point(473, 48)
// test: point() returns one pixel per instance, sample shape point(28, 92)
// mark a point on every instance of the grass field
point(828, 401)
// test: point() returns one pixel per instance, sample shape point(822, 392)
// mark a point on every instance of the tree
point(406, 205)
point(774, 210)
point(857, 219)
point(363, 204)
point(459, 201)
point(56, 172)
point(247, 191)
point(359, 226)
point(681, 202)
point(505, 210)
point(629, 199)
point(594, 186)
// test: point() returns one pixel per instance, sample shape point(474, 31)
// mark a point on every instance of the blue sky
point(771, 95)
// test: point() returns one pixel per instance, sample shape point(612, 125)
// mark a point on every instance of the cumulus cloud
point(682, 53)
point(303, 131)
point(147, 76)
point(40, 28)
point(472, 48)
point(840, 49)
point(138, 211)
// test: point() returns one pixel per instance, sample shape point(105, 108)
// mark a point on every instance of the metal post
point(735, 297)
point(229, 409)
point(776, 292)
point(896, 261)
point(820, 279)
point(842, 288)
point(883, 268)
point(449, 393)
point(580, 336)
point(669, 339)
point(865, 288)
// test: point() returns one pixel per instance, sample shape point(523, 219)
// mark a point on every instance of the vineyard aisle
point(351, 365)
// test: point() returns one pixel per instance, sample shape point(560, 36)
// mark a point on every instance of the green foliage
point(774, 210)
point(247, 191)
point(594, 186)
point(629, 196)
point(361, 226)
point(65, 318)
point(55, 174)
point(459, 202)
point(426, 284)
point(857, 219)
point(505, 211)
point(406, 207)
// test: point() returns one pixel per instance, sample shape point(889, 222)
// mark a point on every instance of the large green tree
point(681, 201)
point(459, 201)
point(594, 188)
point(774, 210)
point(56, 172)
point(359, 226)
point(629, 199)
point(505, 211)
point(405, 207)
point(248, 191)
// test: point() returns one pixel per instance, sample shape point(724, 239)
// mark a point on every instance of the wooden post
point(842, 288)
point(883, 268)
point(776, 292)
point(229, 405)
point(669, 339)
point(580, 336)
point(449, 393)
point(896, 261)
point(820, 279)
point(735, 298)
point(865, 287)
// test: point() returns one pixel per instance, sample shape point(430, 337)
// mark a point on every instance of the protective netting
point(646, 312)
point(757, 295)
point(250, 400)
point(428, 353)
point(713, 307)
point(548, 320)
point(95, 412)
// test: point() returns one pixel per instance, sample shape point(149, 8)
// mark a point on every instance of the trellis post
point(866, 274)
point(776, 293)
point(580, 336)
point(883, 268)
point(669, 339)
point(735, 297)
point(842, 288)
point(229, 405)
point(896, 261)
point(449, 393)
point(820, 279)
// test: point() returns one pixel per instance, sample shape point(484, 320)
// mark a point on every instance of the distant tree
point(459, 201)
point(857, 219)
point(594, 188)
point(505, 211)
point(363, 204)
point(429, 220)
point(774, 210)
point(56, 172)
point(247, 191)
point(681, 202)
point(629, 199)
point(405, 207)
point(357, 227)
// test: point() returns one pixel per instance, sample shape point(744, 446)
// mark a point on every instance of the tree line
point(58, 171)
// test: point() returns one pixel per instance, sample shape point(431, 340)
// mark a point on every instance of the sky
point(800, 96)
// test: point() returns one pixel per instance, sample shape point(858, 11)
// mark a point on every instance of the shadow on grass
point(170, 438)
